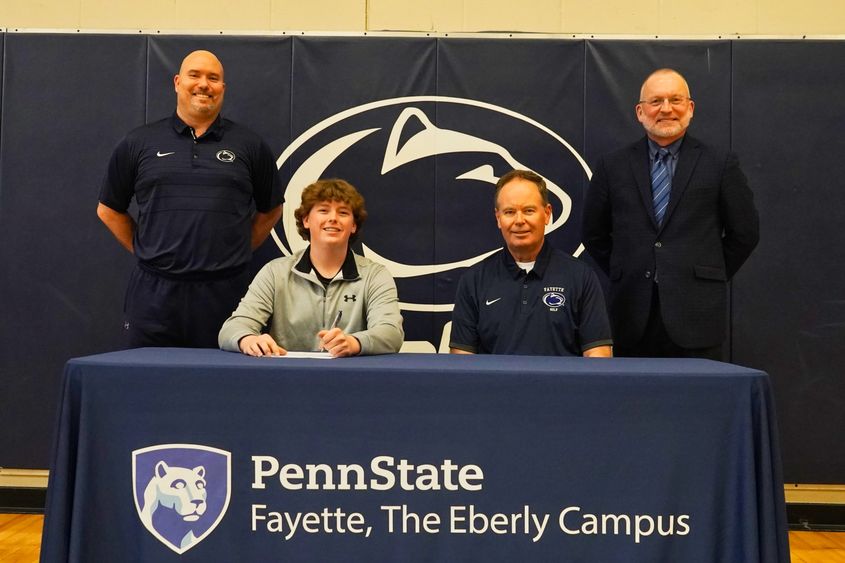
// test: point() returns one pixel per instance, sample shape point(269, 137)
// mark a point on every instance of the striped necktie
point(661, 185)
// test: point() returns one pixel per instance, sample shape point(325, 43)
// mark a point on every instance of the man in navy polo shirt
point(529, 298)
point(208, 194)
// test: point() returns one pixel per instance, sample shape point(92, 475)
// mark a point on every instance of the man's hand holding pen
point(337, 343)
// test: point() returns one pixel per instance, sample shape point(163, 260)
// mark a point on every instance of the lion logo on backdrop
point(181, 491)
point(428, 166)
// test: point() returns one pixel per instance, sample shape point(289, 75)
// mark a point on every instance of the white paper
point(312, 355)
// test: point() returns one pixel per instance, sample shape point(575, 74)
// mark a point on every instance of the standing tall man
point(670, 220)
point(208, 194)
point(528, 298)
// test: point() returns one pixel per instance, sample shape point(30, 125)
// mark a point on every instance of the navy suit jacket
point(709, 229)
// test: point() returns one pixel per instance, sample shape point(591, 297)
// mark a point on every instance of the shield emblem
point(181, 491)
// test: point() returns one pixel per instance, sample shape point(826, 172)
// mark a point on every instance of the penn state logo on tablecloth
point(181, 491)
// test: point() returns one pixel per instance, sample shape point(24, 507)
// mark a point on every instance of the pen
point(334, 324)
point(336, 320)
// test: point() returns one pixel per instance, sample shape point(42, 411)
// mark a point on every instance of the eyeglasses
point(674, 101)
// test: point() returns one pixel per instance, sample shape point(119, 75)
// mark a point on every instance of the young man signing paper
point(324, 297)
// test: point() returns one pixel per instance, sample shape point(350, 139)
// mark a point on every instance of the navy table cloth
point(201, 455)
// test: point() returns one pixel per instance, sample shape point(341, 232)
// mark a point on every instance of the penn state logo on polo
point(225, 156)
point(181, 491)
point(427, 167)
point(553, 298)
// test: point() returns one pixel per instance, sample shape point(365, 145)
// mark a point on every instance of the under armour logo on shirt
point(349, 298)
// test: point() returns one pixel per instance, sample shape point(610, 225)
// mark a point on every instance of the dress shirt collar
point(673, 149)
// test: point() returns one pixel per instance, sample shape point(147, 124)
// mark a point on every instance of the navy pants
point(163, 311)
point(656, 342)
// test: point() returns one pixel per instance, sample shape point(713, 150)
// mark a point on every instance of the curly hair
point(333, 189)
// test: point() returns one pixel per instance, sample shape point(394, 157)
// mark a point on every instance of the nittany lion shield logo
point(181, 491)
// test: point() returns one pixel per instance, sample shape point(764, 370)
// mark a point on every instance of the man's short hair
point(532, 177)
point(333, 189)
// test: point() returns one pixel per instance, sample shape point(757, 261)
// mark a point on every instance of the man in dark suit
point(670, 220)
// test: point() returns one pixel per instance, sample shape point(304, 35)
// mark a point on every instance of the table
point(202, 455)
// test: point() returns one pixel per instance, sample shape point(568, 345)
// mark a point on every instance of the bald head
point(199, 89)
point(200, 57)
point(665, 108)
point(665, 73)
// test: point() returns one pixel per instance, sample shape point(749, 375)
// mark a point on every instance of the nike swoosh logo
point(160, 154)
point(491, 302)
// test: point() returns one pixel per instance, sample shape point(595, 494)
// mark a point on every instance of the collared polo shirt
point(556, 309)
point(196, 197)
